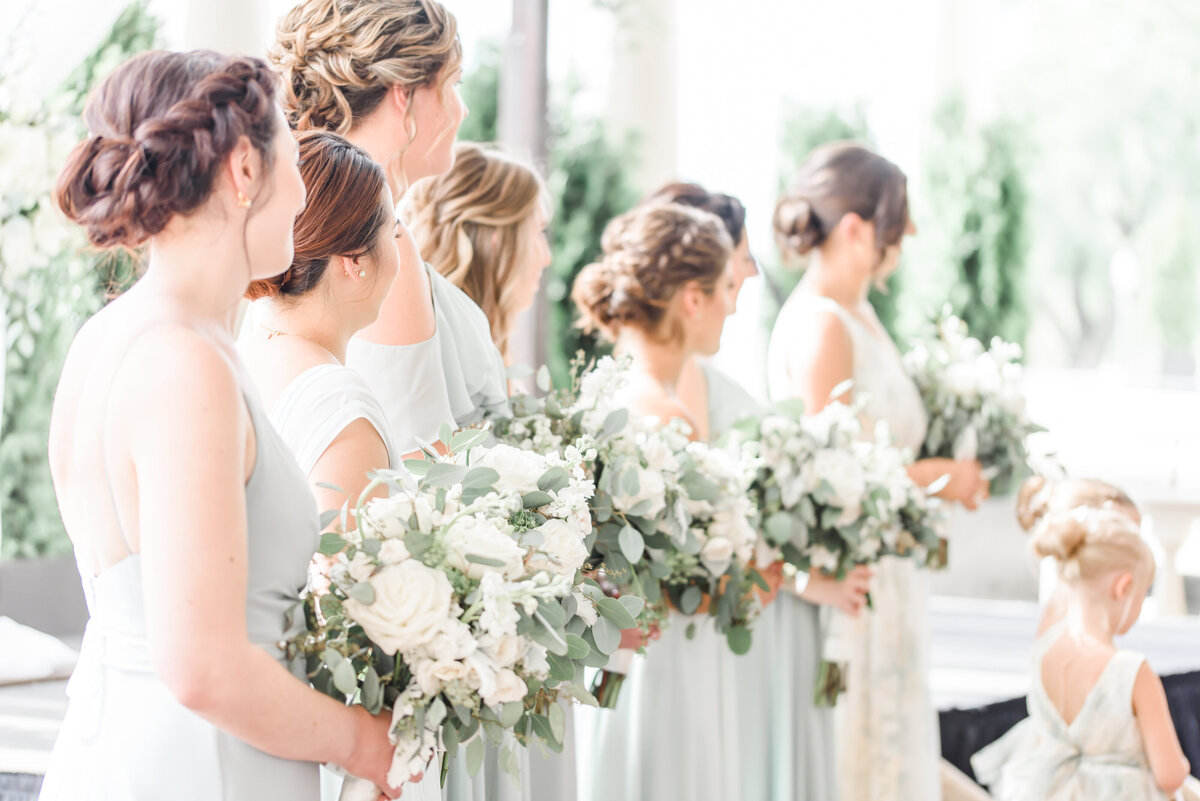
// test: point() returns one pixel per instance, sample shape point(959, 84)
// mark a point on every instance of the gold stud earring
point(243, 201)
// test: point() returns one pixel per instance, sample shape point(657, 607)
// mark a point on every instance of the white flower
point(561, 551)
point(361, 566)
point(519, 470)
point(393, 551)
point(432, 675)
point(412, 603)
point(499, 615)
point(716, 555)
point(509, 688)
point(504, 650)
point(534, 661)
point(651, 487)
point(475, 535)
point(389, 517)
point(822, 558)
point(453, 641)
point(961, 380)
point(845, 475)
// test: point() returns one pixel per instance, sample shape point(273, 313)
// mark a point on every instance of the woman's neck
point(661, 361)
point(373, 135)
point(203, 275)
point(307, 319)
point(834, 275)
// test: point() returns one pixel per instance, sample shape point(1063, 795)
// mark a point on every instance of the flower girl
point(1098, 725)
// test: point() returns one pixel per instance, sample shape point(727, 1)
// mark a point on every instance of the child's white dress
point(1099, 756)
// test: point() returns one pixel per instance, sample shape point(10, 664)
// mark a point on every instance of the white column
point(643, 88)
point(243, 27)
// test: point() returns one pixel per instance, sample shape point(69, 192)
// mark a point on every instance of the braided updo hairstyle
point(160, 126)
point(649, 253)
point(835, 180)
point(338, 58)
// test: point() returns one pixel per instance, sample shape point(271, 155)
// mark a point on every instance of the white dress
point(887, 736)
point(456, 376)
point(310, 413)
point(1099, 756)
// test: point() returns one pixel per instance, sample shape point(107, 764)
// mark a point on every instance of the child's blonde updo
point(649, 253)
point(1040, 496)
point(467, 224)
point(338, 58)
point(1088, 542)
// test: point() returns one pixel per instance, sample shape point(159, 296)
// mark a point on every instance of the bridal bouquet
point(671, 520)
point(974, 400)
point(459, 601)
point(832, 500)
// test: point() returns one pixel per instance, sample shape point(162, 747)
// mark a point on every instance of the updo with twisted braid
point(649, 253)
point(338, 58)
point(160, 125)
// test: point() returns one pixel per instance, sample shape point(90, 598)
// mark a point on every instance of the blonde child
point(1098, 725)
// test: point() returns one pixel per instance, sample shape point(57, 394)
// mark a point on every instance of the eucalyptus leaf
point(445, 434)
point(344, 678)
point(484, 560)
point(558, 721)
point(327, 518)
point(616, 420)
point(631, 542)
point(331, 543)
point(442, 474)
point(615, 611)
point(607, 636)
point(554, 479)
point(363, 592)
point(689, 602)
point(577, 647)
point(372, 691)
point(536, 499)
point(633, 604)
point(330, 487)
point(480, 478)
point(474, 756)
point(738, 638)
point(543, 379)
point(510, 713)
point(436, 713)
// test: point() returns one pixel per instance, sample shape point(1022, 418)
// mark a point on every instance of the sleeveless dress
point(125, 737)
point(309, 414)
point(457, 376)
point(887, 737)
point(785, 750)
point(1100, 756)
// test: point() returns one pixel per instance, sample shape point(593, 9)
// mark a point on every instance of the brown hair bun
point(161, 124)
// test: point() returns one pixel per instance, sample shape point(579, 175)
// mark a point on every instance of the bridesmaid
point(785, 748)
point(295, 345)
point(847, 210)
point(483, 226)
point(192, 526)
point(661, 293)
point(384, 74)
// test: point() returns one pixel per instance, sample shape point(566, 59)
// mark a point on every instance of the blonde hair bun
point(1087, 541)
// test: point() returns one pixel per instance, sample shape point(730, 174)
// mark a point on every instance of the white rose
point(509, 688)
point(561, 551)
point(716, 555)
point(393, 551)
point(389, 517)
point(651, 486)
point(482, 673)
point(477, 536)
point(432, 675)
point(412, 603)
point(504, 650)
point(961, 380)
point(361, 567)
point(519, 470)
point(454, 641)
point(535, 662)
point(845, 475)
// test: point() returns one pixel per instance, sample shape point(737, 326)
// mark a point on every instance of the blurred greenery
point(44, 308)
point(970, 206)
point(588, 181)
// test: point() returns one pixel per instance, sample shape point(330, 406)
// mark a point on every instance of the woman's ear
point(399, 97)
point(348, 267)
point(245, 171)
point(855, 229)
point(691, 298)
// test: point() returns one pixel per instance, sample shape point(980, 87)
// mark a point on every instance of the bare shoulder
point(667, 409)
point(1147, 688)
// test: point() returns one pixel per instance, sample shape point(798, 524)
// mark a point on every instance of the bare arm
point(823, 358)
point(1167, 762)
point(406, 316)
point(188, 448)
point(966, 486)
point(355, 452)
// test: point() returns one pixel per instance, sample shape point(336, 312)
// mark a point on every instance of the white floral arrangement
point(831, 499)
point(459, 601)
point(974, 400)
point(671, 520)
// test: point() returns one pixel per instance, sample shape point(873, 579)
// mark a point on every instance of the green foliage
point(480, 92)
point(50, 287)
point(588, 181)
point(805, 129)
point(972, 241)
